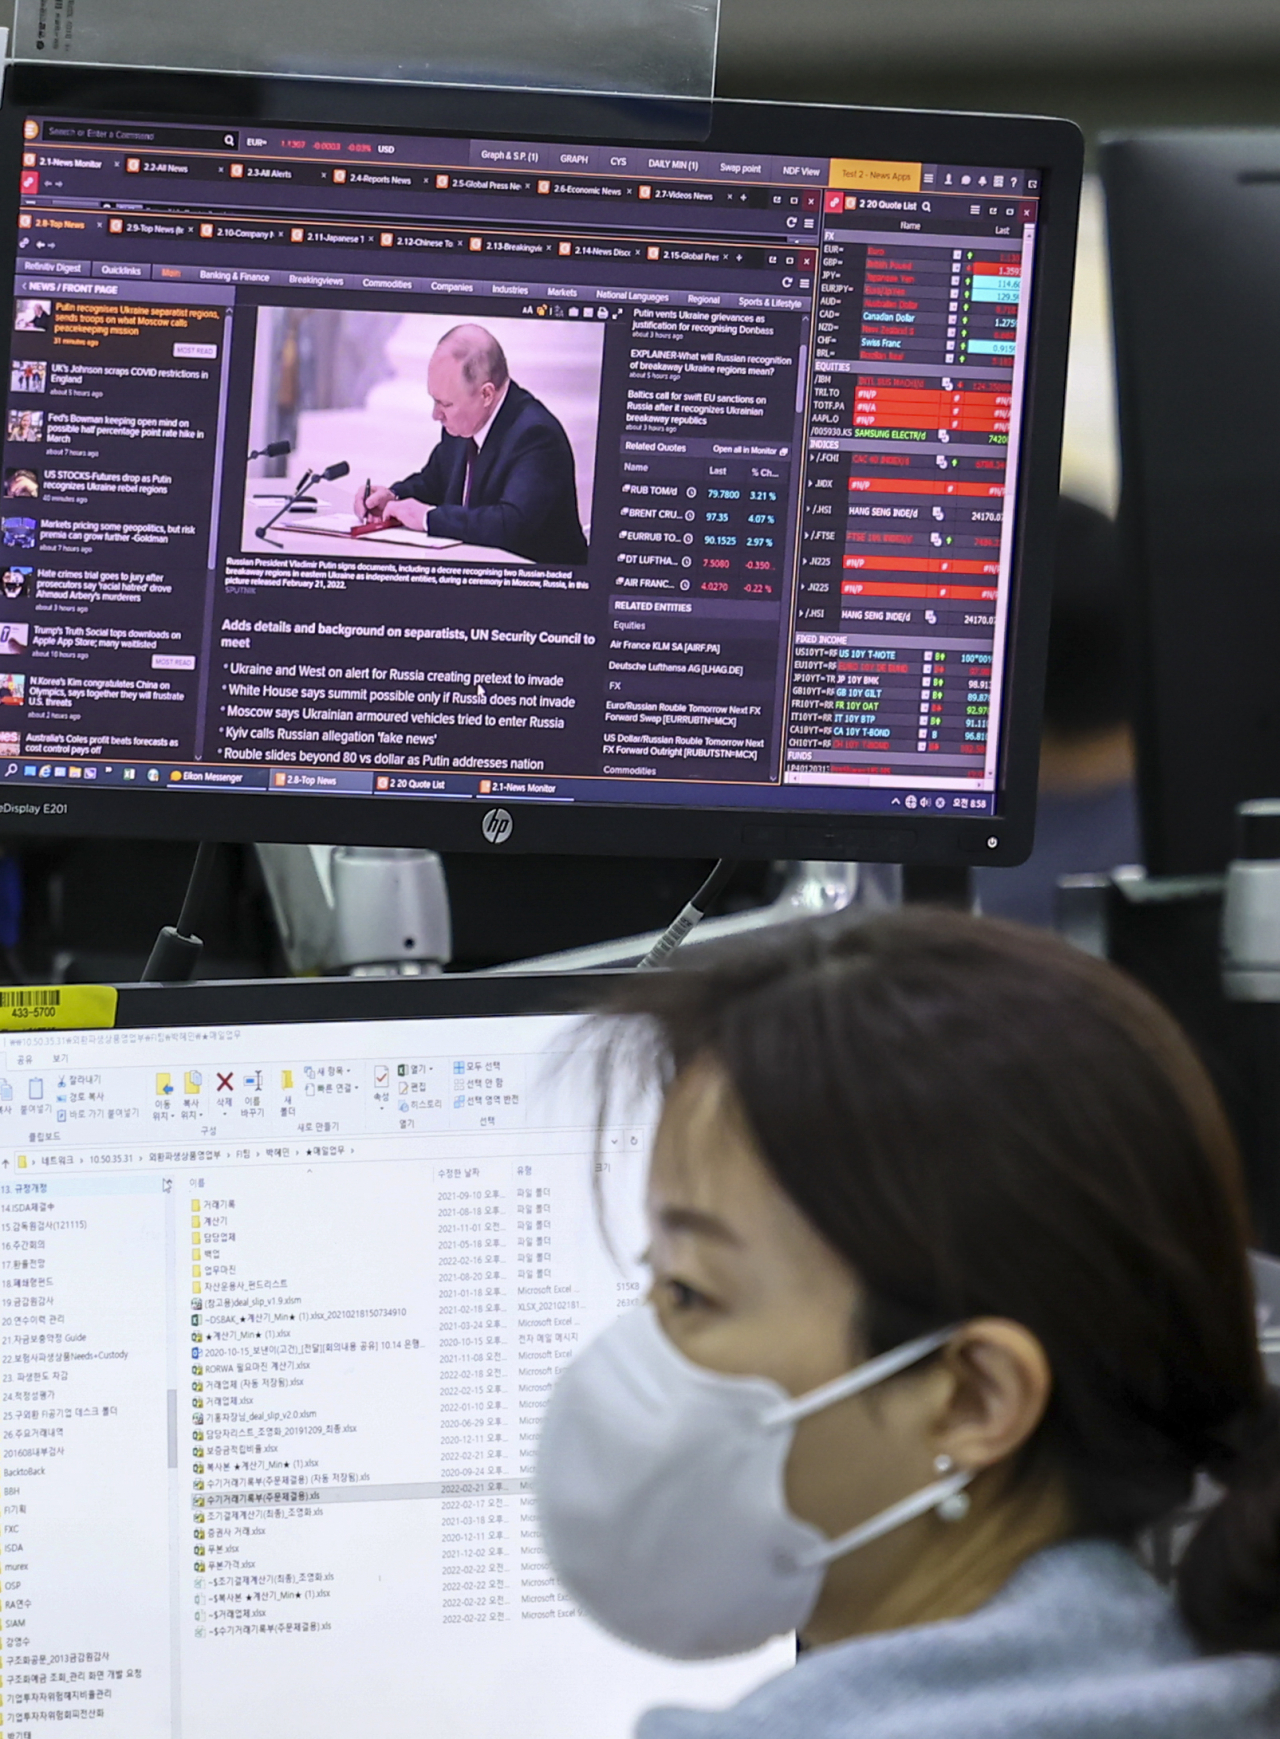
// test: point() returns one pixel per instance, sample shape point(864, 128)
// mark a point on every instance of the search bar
point(158, 138)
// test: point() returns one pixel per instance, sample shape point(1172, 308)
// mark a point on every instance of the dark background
point(1142, 63)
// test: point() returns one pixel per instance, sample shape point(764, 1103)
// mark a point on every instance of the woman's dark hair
point(984, 1121)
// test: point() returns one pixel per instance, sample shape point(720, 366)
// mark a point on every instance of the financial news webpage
point(408, 466)
point(280, 1310)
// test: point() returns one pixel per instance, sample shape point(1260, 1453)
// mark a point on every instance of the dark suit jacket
point(523, 495)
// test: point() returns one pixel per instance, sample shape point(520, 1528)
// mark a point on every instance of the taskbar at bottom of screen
point(928, 795)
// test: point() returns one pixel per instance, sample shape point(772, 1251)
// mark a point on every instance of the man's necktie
point(473, 453)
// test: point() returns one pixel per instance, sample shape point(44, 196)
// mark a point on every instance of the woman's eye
point(682, 1297)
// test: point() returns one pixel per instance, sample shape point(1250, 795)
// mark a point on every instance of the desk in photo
point(326, 533)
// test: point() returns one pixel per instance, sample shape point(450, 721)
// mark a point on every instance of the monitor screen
point(282, 1304)
point(419, 471)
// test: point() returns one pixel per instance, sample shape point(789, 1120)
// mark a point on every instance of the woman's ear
point(999, 1390)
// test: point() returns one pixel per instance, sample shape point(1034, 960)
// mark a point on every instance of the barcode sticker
point(57, 1007)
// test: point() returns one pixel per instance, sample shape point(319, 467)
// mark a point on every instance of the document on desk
point(340, 525)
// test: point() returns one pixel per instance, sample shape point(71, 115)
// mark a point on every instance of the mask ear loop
point(866, 1376)
point(937, 1496)
point(946, 1495)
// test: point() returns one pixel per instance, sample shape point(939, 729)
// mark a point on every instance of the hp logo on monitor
point(497, 826)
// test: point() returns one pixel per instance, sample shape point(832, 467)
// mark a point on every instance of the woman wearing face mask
point(950, 1304)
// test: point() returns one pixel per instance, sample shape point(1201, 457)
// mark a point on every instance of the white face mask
point(661, 1493)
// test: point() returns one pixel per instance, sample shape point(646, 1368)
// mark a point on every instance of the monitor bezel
point(245, 1002)
point(623, 829)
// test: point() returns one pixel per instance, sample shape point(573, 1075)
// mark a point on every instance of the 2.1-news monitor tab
point(457, 479)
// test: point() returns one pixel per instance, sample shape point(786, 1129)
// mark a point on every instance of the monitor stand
point(359, 910)
point(809, 890)
point(383, 911)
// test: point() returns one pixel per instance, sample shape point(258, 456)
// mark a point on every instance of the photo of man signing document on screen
point(502, 472)
point(410, 436)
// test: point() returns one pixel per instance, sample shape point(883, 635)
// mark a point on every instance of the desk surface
point(323, 533)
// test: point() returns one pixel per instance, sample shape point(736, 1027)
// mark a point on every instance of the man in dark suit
point(502, 472)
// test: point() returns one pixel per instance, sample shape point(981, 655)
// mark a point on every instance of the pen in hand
point(364, 499)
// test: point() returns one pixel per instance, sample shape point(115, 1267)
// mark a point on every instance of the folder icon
point(195, 1222)
point(195, 1237)
point(22, 1160)
point(192, 1081)
point(286, 1079)
point(195, 1269)
point(164, 1084)
point(195, 1207)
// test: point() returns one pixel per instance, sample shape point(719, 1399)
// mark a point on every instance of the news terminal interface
point(280, 1308)
point(739, 532)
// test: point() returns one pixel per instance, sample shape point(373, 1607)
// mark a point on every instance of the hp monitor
point(451, 468)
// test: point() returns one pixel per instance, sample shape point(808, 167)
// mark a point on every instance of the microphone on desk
point(273, 450)
point(304, 483)
point(330, 475)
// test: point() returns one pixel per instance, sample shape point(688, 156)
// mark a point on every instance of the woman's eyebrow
point(700, 1224)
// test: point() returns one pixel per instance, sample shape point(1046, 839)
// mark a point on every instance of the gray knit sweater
point(1079, 1644)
